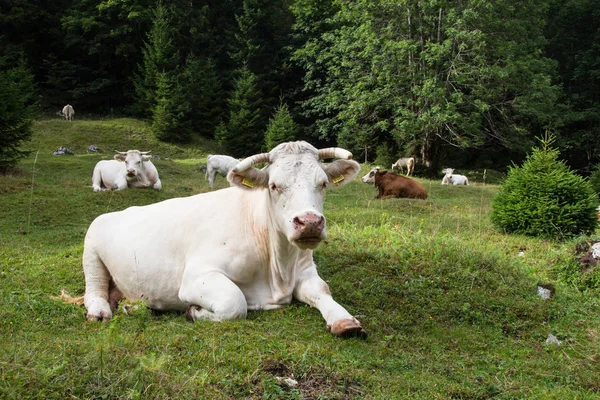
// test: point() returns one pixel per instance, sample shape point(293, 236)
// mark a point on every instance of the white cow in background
point(220, 164)
point(450, 178)
point(132, 168)
point(68, 112)
point(217, 255)
point(408, 162)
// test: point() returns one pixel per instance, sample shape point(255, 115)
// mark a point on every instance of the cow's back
point(146, 249)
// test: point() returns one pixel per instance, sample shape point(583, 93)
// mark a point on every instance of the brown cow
point(391, 185)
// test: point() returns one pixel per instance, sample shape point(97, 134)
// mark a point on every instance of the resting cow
point(68, 112)
point(392, 185)
point(219, 254)
point(450, 178)
point(408, 162)
point(132, 168)
point(220, 164)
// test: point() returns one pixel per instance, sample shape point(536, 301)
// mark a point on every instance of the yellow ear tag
point(339, 179)
point(247, 183)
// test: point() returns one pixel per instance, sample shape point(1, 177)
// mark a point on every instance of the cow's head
point(296, 181)
point(134, 161)
point(370, 176)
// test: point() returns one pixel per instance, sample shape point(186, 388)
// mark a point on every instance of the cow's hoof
point(103, 317)
point(189, 313)
point(348, 328)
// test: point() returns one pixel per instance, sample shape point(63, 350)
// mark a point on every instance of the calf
point(218, 164)
point(392, 185)
point(132, 168)
point(409, 163)
point(68, 112)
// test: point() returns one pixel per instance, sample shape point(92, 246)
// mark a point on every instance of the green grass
point(450, 308)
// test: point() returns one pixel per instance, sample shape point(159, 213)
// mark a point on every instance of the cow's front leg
point(157, 185)
point(212, 296)
point(313, 290)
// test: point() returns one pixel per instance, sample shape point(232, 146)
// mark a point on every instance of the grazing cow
point(450, 178)
point(217, 255)
point(392, 185)
point(408, 162)
point(68, 112)
point(132, 168)
point(218, 164)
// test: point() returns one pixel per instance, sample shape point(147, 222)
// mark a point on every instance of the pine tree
point(17, 97)
point(243, 132)
point(545, 198)
point(204, 93)
point(281, 127)
point(159, 55)
point(169, 120)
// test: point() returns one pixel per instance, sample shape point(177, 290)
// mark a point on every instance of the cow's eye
point(139, 162)
point(274, 187)
point(324, 185)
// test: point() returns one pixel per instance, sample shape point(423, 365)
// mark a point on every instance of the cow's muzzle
point(309, 229)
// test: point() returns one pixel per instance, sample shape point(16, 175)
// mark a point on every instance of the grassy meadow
point(449, 305)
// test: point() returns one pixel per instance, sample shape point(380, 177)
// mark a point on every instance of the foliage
point(169, 120)
point(243, 132)
point(160, 57)
point(428, 75)
point(204, 94)
point(17, 99)
point(281, 127)
point(573, 32)
point(594, 179)
point(545, 198)
point(577, 266)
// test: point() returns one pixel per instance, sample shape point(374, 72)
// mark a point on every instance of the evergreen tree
point(243, 133)
point(169, 120)
point(545, 198)
point(281, 128)
point(204, 93)
point(159, 55)
point(17, 97)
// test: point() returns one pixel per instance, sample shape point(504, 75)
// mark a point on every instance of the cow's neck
point(280, 256)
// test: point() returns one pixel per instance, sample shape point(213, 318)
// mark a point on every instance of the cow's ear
point(146, 158)
point(341, 172)
point(119, 157)
point(251, 178)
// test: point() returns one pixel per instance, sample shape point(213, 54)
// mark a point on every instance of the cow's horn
point(120, 152)
point(334, 152)
point(251, 161)
point(146, 152)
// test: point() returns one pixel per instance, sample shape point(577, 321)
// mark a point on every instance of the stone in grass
point(63, 151)
point(553, 340)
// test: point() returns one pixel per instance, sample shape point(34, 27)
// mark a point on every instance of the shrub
point(545, 198)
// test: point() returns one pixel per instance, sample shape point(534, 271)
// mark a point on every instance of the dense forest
point(461, 83)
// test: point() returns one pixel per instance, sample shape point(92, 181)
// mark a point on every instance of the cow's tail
point(97, 284)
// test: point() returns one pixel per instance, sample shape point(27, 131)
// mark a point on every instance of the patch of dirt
point(314, 384)
point(585, 254)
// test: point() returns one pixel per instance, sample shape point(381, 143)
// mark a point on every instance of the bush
point(385, 158)
point(545, 198)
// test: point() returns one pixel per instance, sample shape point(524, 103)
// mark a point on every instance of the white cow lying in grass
point(217, 255)
point(220, 164)
point(450, 178)
point(132, 168)
point(408, 162)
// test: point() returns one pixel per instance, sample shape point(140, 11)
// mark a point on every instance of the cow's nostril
point(298, 221)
